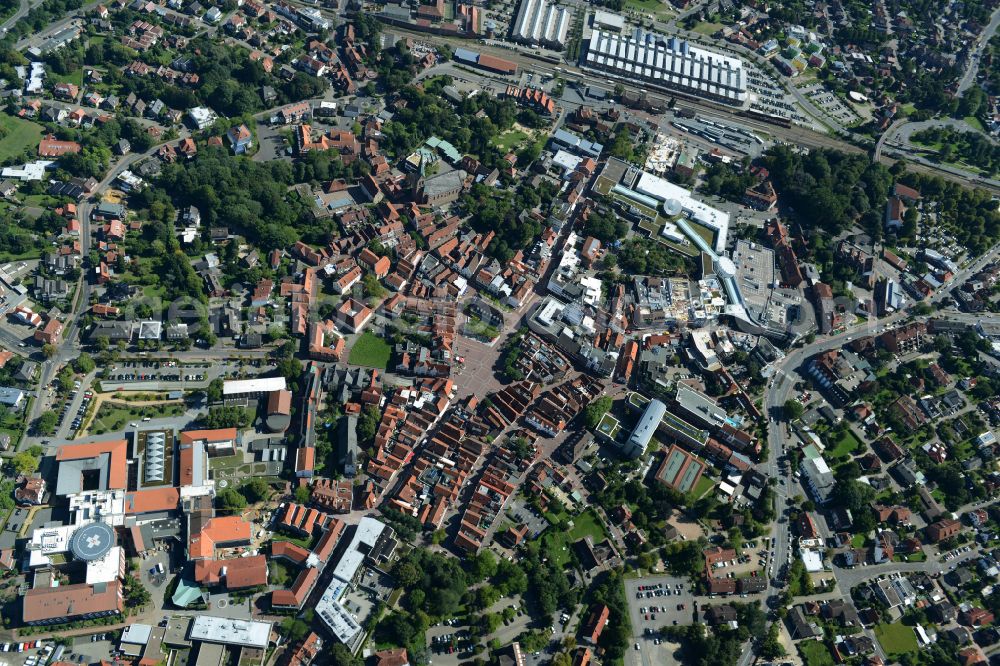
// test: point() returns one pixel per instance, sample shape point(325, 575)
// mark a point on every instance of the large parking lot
point(655, 602)
point(832, 105)
point(156, 371)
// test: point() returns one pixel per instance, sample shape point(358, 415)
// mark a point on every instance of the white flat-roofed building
point(48, 541)
point(137, 634)
point(108, 568)
point(365, 537)
point(607, 21)
point(672, 233)
point(344, 627)
point(228, 631)
point(670, 63)
point(663, 190)
point(235, 388)
point(568, 162)
point(108, 506)
point(539, 22)
point(373, 539)
point(812, 559)
point(29, 171)
point(202, 116)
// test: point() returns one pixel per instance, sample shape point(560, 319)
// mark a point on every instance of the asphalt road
point(975, 54)
point(22, 11)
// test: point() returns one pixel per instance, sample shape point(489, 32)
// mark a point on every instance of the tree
point(372, 287)
point(303, 495)
point(290, 368)
point(48, 350)
point(483, 565)
point(228, 416)
point(84, 363)
point(853, 495)
point(256, 489)
point(605, 226)
point(771, 647)
point(735, 538)
point(228, 499)
point(792, 409)
point(24, 463)
point(295, 629)
point(595, 411)
point(340, 655)
point(368, 424)
point(214, 391)
point(136, 594)
point(47, 422)
point(407, 574)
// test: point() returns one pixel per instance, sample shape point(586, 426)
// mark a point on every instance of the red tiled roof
point(116, 451)
point(151, 500)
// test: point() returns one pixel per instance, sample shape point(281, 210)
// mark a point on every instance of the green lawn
point(896, 639)
point(587, 524)
point(229, 463)
point(304, 542)
point(963, 450)
point(974, 123)
point(157, 291)
point(12, 423)
point(113, 417)
point(510, 140)
point(39, 200)
point(17, 135)
point(708, 29)
point(649, 6)
point(816, 653)
point(75, 77)
point(371, 351)
point(30, 253)
point(845, 445)
point(858, 541)
point(703, 486)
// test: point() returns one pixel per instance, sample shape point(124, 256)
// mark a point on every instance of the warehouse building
point(487, 62)
point(539, 22)
point(671, 63)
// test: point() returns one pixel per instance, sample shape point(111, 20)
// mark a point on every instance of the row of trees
point(41, 17)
